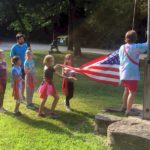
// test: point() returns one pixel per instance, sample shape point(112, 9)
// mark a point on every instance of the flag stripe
point(101, 74)
point(103, 81)
point(102, 78)
point(105, 68)
point(103, 71)
point(94, 61)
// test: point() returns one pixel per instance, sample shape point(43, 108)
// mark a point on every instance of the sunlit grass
point(71, 131)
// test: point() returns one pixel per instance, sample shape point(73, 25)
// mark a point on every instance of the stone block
point(129, 134)
point(102, 121)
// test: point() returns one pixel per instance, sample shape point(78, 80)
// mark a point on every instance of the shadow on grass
point(74, 121)
point(41, 124)
point(88, 115)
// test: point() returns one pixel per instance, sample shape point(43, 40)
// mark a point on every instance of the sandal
point(41, 115)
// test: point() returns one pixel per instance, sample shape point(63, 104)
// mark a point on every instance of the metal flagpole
point(146, 102)
point(148, 27)
point(133, 21)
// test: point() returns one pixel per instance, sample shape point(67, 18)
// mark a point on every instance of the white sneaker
point(68, 109)
point(3, 110)
point(65, 103)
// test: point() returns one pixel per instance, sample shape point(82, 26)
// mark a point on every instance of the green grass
point(71, 131)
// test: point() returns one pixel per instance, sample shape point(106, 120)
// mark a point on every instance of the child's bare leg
point(23, 89)
point(55, 101)
point(125, 98)
point(17, 106)
point(41, 108)
point(1, 100)
point(130, 101)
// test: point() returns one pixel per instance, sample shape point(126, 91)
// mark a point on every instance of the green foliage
point(106, 21)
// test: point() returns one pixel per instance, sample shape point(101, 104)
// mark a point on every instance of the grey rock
point(129, 134)
point(102, 121)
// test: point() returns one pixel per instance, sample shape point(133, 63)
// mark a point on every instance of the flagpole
point(146, 101)
point(148, 32)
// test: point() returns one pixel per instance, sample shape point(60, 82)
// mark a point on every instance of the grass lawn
point(71, 131)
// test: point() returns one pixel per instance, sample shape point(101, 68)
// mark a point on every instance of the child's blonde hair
point(1, 50)
point(131, 36)
point(68, 56)
point(47, 59)
point(28, 52)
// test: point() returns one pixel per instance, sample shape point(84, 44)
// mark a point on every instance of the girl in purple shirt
point(3, 78)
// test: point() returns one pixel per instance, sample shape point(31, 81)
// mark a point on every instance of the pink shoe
point(54, 114)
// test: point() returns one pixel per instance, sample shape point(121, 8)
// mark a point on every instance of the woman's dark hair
point(15, 59)
point(19, 35)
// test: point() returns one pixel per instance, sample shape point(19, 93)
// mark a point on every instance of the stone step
point(102, 121)
point(129, 134)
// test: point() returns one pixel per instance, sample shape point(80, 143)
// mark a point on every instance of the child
point(3, 77)
point(129, 68)
point(47, 87)
point(68, 85)
point(17, 83)
point(29, 67)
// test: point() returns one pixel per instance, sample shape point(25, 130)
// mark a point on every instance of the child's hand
point(72, 78)
point(56, 66)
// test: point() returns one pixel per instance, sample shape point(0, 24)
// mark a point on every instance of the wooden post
point(146, 102)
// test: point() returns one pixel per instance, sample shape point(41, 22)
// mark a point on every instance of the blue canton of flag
point(112, 59)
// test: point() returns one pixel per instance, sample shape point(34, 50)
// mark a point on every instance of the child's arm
point(27, 70)
point(16, 78)
point(143, 47)
point(63, 76)
point(56, 66)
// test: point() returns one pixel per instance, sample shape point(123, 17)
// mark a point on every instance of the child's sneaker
point(65, 103)
point(31, 106)
point(18, 113)
point(54, 114)
point(3, 110)
point(68, 109)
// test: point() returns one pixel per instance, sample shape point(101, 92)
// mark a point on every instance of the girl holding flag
point(47, 87)
point(68, 84)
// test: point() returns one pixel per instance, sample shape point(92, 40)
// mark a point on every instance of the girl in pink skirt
point(47, 87)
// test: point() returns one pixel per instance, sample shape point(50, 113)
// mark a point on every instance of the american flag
point(104, 69)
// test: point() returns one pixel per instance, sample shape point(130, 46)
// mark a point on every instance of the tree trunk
point(70, 25)
point(77, 47)
point(73, 32)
